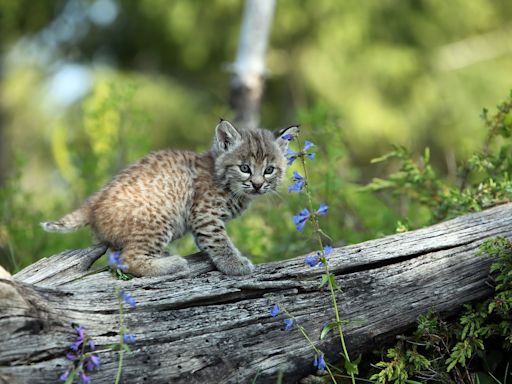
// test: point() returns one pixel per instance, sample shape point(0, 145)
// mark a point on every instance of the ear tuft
point(226, 137)
point(284, 136)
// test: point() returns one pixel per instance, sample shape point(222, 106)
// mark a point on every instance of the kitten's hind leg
point(142, 260)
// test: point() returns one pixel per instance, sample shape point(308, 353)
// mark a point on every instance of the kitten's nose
point(256, 186)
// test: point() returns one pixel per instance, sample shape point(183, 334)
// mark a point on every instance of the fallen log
point(207, 327)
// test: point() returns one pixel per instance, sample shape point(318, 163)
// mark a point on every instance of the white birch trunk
point(249, 67)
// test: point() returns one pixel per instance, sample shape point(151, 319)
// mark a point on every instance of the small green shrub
point(469, 349)
point(485, 179)
point(476, 346)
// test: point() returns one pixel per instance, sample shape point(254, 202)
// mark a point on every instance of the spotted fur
point(169, 193)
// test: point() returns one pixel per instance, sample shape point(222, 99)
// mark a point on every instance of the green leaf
point(451, 365)
point(332, 281)
point(327, 329)
point(120, 275)
point(378, 184)
point(325, 279)
point(352, 366)
point(325, 234)
point(492, 306)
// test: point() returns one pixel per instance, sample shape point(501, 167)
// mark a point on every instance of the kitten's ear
point(226, 136)
point(284, 136)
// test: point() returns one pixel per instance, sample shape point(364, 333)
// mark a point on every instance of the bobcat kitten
point(169, 193)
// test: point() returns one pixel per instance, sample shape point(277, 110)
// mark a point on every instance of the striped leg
point(211, 238)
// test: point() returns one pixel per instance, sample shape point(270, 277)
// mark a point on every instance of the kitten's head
point(251, 161)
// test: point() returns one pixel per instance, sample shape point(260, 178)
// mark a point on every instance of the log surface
point(207, 327)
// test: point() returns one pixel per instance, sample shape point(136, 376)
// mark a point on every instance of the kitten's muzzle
point(256, 186)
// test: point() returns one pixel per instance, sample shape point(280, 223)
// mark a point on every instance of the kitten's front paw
point(235, 265)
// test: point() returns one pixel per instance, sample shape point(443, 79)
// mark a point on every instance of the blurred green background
point(88, 86)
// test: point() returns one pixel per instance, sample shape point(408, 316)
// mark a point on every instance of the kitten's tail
point(69, 223)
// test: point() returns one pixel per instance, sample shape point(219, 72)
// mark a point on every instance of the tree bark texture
point(248, 69)
point(209, 328)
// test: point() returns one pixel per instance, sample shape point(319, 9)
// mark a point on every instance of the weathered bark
point(211, 328)
point(249, 67)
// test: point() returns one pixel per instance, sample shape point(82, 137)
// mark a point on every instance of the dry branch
point(213, 328)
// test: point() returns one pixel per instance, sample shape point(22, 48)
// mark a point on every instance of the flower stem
point(316, 226)
point(121, 338)
point(304, 333)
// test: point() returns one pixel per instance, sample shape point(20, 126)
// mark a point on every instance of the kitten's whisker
point(274, 197)
point(236, 194)
point(277, 195)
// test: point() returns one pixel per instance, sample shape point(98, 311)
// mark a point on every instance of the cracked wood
point(207, 327)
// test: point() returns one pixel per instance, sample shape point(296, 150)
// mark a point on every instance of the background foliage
point(89, 86)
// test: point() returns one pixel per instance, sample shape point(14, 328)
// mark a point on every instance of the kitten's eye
point(269, 170)
point(245, 168)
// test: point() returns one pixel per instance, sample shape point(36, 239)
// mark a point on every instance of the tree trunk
point(210, 328)
point(249, 67)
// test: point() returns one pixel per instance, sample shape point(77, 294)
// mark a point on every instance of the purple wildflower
point(319, 362)
point(311, 260)
point(307, 145)
point(86, 362)
point(296, 187)
point(88, 365)
point(299, 182)
point(80, 331)
point(71, 356)
point(92, 362)
point(288, 324)
point(114, 258)
point(275, 310)
point(84, 379)
point(127, 298)
point(96, 360)
point(292, 156)
point(300, 219)
point(327, 249)
point(322, 210)
point(288, 137)
point(64, 376)
point(129, 339)
point(115, 262)
point(76, 344)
